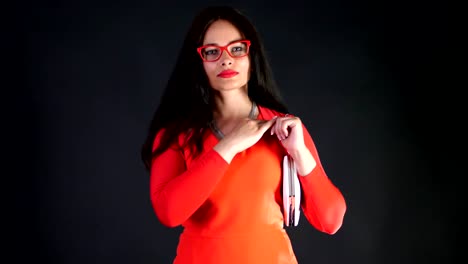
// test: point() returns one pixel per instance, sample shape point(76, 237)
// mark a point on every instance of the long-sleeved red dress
point(232, 213)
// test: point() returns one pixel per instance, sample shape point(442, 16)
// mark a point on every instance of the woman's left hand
point(288, 129)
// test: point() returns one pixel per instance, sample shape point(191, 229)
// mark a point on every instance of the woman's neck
point(232, 107)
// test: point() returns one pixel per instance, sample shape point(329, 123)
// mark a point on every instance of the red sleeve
point(323, 204)
point(177, 192)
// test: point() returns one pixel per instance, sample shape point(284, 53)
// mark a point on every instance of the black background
point(357, 73)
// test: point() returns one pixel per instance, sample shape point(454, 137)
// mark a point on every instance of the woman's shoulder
point(176, 140)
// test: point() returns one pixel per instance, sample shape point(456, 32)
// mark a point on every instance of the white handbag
point(291, 192)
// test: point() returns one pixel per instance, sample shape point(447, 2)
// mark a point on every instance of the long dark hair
point(185, 105)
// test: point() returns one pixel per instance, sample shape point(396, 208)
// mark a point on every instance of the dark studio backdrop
point(351, 70)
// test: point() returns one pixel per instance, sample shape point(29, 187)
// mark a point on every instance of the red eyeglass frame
point(224, 48)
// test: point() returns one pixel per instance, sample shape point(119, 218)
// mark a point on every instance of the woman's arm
point(177, 192)
point(323, 203)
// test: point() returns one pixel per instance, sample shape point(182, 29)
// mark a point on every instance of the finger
point(284, 128)
point(267, 124)
point(280, 129)
point(272, 130)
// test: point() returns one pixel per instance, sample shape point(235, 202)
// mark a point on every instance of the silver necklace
point(220, 134)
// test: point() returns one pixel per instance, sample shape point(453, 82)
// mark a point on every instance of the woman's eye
point(237, 49)
point(211, 52)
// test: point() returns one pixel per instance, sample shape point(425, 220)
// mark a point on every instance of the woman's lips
point(227, 74)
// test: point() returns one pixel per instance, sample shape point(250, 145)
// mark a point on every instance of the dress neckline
point(219, 134)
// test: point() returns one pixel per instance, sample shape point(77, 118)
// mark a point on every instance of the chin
point(228, 85)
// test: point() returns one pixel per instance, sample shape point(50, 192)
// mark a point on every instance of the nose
point(225, 58)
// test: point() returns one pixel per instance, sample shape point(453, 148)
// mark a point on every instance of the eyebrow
point(216, 44)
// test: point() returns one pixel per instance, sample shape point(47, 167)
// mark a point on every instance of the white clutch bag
point(291, 192)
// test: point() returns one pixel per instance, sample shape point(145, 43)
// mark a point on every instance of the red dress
point(232, 213)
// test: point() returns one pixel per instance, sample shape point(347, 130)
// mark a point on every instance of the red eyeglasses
point(236, 49)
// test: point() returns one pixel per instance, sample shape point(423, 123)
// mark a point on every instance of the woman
point(215, 148)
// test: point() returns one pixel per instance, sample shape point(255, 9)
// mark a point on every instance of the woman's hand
point(288, 129)
point(244, 135)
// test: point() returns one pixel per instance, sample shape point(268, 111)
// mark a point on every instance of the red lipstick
point(227, 74)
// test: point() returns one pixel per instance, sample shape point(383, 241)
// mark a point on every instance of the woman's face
point(226, 73)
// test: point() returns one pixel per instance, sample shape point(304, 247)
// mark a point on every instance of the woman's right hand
point(244, 135)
